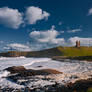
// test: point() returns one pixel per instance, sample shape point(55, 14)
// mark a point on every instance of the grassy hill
point(58, 51)
point(74, 51)
point(44, 53)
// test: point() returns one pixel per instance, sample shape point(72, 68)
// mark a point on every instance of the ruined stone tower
point(77, 43)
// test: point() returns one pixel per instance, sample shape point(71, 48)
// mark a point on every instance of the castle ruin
point(77, 43)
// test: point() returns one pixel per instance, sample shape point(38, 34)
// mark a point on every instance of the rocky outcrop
point(22, 71)
point(43, 53)
point(29, 75)
point(16, 69)
point(78, 86)
point(31, 72)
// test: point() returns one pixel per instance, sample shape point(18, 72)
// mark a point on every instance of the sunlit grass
point(74, 51)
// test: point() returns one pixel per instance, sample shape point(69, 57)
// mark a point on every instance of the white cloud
point(83, 41)
point(40, 40)
point(45, 39)
point(74, 30)
point(17, 46)
point(90, 12)
point(47, 36)
point(36, 44)
point(10, 17)
point(33, 14)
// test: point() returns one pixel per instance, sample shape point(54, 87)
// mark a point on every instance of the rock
point(31, 72)
point(39, 66)
point(80, 85)
point(16, 69)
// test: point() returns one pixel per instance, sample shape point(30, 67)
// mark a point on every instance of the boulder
point(16, 69)
point(22, 71)
point(31, 72)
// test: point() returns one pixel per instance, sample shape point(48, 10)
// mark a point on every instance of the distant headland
point(75, 52)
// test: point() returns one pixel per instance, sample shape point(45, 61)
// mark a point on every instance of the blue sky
point(40, 24)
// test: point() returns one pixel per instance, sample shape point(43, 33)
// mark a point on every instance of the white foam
point(81, 69)
point(4, 74)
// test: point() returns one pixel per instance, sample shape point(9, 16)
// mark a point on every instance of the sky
point(41, 24)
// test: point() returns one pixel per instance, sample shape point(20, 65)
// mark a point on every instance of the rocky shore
point(23, 76)
point(62, 58)
point(45, 75)
point(78, 86)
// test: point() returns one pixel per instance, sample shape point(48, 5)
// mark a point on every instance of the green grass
point(89, 90)
point(74, 51)
point(58, 51)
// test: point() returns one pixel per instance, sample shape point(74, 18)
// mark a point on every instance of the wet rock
point(19, 74)
point(39, 66)
point(16, 69)
point(22, 71)
point(80, 85)
point(74, 77)
point(31, 72)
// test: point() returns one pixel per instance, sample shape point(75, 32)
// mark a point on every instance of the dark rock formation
point(30, 72)
point(78, 86)
point(16, 69)
point(43, 53)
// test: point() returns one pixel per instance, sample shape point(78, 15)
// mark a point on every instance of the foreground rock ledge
point(78, 86)
point(30, 72)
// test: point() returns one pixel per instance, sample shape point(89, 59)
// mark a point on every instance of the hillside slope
point(58, 51)
point(74, 51)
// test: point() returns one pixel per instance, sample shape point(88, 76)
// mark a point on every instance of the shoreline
point(83, 58)
point(84, 83)
point(78, 86)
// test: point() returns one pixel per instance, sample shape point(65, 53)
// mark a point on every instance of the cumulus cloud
point(74, 30)
point(17, 47)
point(90, 12)
point(51, 38)
point(10, 17)
point(41, 40)
point(83, 41)
point(35, 44)
point(33, 14)
point(46, 38)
